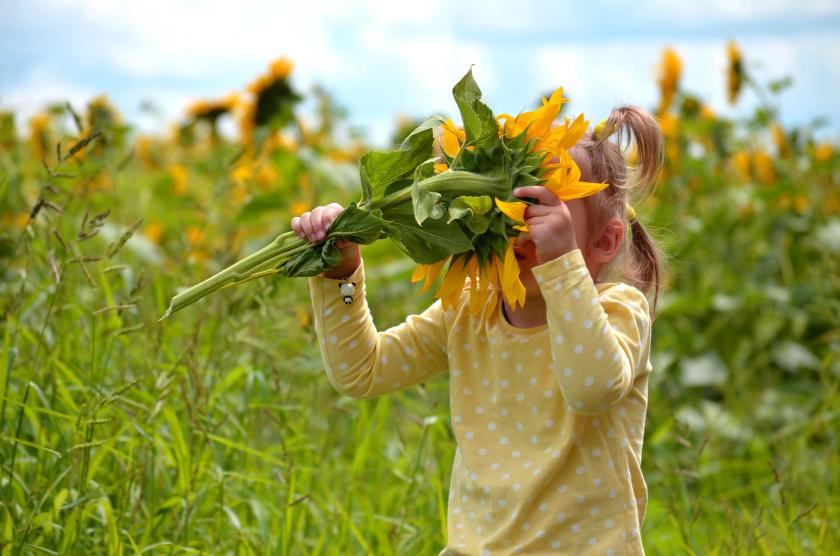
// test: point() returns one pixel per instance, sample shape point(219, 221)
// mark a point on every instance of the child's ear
point(609, 242)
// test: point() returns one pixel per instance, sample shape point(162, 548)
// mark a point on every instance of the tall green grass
point(217, 432)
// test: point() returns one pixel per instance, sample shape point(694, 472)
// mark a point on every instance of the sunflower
point(670, 69)
point(492, 267)
point(735, 75)
point(180, 177)
point(154, 232)
point(552, 142)
point(823, 152)
point(270, 102)
point(39, 134)
point(743, 168)
point(498, 277)
point(212, 110)
point(468, 202)
point(780, 139)
point(101, 114)
point(764, 169)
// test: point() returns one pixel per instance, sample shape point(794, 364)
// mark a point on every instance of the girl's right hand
point(313, 226)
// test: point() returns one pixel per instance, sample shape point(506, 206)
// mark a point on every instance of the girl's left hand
point(549, 223)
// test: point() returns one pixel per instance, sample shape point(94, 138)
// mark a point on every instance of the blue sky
point(381, 58)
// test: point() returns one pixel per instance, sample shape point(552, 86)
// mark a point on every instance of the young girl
point(548, 401)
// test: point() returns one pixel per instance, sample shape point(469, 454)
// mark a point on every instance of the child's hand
point(549, 223)
point(313, 225)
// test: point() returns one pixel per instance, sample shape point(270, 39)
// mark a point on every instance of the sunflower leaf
point(380, 169)
point(352, 224)
point(311, 262)
point(480, 125)
point(426, 244)
point(357, 225)
point(426, 204)
point(430, 123)
point(471, 210)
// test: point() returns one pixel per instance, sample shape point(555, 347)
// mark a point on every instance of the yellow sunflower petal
point(515, 210)
point(453, 283)
point(545, 116)
point(281, 68)
point(475, 294)
point(490, 276)
point(420, 272)
point(508, 128)
point(452, 138)
point(512, 286)
point(574, 131)
point(431, 276)
point(564, 180)
point(580, 189)
point(503, 280)
point(524, 122)
point(429, 272)
point(556, 98)
point(497, 273)
point(483, 283)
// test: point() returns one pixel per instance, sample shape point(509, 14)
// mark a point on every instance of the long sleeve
point(360, 361)
point(599, 340)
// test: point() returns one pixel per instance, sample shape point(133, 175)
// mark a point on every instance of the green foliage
point(353, 224)
point(479, 123)
point(425, 244)
point(217, 431)
point(472, 210)
point(391, 181)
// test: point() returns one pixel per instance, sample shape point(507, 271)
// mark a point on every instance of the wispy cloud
point(381, 58)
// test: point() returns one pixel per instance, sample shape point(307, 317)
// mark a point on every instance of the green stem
point(282, 246)
point(453, 181)
point(457, 182)
point(9, 364)
point(11, 476)
point(267, 269)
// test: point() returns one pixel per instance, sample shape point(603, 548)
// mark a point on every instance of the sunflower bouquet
point(454, 210)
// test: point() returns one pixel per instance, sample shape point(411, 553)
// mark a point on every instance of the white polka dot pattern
point(528, 459)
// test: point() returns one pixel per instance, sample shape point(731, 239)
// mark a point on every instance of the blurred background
point(379, 59)
point(145, 147)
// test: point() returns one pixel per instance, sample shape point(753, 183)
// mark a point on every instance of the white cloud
point(502, 16)
point(188, 40)
point(425, 66)
point(598, 77)
point(690, 13)
point(39, 88)
point(601, 76)
point(335, 43)
point(381, 57)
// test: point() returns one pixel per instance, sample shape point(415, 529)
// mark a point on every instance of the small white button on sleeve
point(348, 290)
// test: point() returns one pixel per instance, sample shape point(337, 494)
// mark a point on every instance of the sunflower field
point(216, 431)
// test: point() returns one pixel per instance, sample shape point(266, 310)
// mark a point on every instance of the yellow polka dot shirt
point(549, 420)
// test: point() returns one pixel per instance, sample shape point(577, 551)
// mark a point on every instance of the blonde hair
point(640, 261)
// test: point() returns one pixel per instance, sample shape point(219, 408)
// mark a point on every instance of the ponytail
point(646, 261)
point(605, 161)
point(633, 123)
